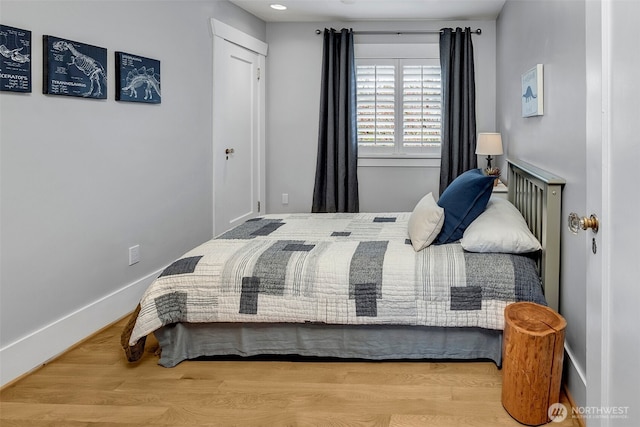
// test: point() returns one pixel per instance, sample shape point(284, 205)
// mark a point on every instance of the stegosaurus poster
point(137, 79)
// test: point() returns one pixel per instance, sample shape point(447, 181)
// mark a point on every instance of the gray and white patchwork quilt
point(335, 269)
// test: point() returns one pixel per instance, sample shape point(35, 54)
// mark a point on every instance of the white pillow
point(500, 228)
point(425, 222)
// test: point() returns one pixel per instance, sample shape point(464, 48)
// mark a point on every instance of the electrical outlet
point(285, 198)
point(134, 254)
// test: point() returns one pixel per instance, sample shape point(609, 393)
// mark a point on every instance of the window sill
point(415, 161)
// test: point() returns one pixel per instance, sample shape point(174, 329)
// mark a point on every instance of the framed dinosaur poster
point(74, 69)
point(532, 92)
point(137, 79)
point(15, 59)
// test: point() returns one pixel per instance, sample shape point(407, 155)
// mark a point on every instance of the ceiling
point(372, 10)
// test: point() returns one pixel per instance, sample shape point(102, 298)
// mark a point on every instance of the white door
point(238, 134)
point(613, 155)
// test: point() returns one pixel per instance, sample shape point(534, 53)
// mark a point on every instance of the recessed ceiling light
point(278, 7)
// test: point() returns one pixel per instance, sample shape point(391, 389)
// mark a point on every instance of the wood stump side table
point(532, 354)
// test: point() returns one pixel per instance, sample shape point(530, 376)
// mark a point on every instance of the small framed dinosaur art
point(137, 79)
point(74, 69)
point(15, 59)
point(532, 92)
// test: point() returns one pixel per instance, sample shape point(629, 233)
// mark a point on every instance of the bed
point(363, 286)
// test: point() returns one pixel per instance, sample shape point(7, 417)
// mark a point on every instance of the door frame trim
point(598, 294)
point(236, 36)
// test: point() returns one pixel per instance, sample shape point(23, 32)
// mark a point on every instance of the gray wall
point(83, 180)
point(551, 33)
point(293, 97)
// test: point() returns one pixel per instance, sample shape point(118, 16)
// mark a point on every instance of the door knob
point(229, 151)
point(576, 223)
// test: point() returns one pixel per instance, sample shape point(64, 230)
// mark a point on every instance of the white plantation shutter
point(398, 106)
point(376, 94)
point(421, 94)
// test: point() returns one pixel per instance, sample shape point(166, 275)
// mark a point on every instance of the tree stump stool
point(533, 351)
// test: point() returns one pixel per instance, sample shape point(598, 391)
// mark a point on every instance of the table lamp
point(489, 143)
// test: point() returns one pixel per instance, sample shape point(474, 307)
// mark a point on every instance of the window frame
point(398, 54)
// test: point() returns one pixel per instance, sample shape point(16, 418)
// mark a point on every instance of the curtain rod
point(399, 33)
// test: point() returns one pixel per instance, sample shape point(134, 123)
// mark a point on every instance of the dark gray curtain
point(336, 182)
point(458, 105)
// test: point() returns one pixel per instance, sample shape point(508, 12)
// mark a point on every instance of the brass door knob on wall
point(576, 223)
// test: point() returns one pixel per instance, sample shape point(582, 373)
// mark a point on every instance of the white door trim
point(598, 38)
point(235, 36)
point(612, 375)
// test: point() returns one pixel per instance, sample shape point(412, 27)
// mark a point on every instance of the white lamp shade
point(489, 144)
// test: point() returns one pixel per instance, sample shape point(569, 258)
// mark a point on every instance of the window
point(398, 106)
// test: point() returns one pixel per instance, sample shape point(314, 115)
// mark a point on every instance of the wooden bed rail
point(538, 195)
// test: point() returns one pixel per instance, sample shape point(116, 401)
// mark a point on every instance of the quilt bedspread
point(335, 269)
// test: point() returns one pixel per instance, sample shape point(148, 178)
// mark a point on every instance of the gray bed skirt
point(182, 341)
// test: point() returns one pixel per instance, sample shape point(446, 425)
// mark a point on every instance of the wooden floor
point(93, 385)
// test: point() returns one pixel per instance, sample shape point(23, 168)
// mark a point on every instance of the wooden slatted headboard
point(538, 195)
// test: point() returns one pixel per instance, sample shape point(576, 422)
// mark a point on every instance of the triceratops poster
point(15, 59)
point(137, 79)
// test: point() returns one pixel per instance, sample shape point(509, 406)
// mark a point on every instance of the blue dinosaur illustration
point(89, 67)
point(139, 77)
point(528, 95)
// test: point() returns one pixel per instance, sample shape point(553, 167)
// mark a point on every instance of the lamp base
point(489, 158)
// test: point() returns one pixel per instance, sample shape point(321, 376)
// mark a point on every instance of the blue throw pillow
point(463, 201)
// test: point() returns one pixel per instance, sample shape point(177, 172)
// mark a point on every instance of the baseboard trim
point(575, 382)
point(33, 350)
